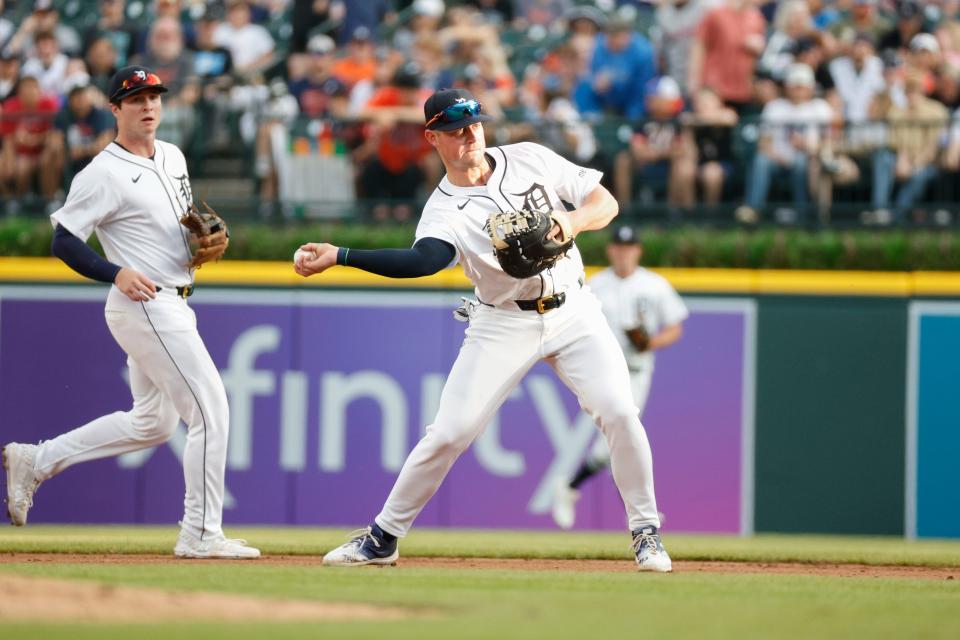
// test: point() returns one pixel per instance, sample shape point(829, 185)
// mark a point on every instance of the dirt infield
point(25, 598)
point(511, 564)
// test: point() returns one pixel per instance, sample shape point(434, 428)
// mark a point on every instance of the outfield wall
point(821, 411)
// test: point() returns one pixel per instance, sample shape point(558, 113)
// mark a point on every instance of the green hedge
point(674, 247)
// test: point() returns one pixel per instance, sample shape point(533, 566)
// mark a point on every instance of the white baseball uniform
point(643, 298)
point(134, 205)
point(503, 342)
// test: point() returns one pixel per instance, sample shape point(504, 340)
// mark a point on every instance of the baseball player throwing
point(133, 195)
point(645, 314)
point(520, 320)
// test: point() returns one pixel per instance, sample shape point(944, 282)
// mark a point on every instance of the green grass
point(521, 604)
point(504, 544)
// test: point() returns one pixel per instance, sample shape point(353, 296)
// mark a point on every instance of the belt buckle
point(540, 309)
point(184, 292)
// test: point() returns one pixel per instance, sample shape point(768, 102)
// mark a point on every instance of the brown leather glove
point(209, 232)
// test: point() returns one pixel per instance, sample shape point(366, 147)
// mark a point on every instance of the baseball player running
point(133, 195)
point(548, 316)
point(646, 314)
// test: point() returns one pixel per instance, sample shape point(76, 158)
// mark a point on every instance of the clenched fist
point(323, 257)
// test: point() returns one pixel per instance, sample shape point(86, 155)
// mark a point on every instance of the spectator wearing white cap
point(791, 131)
point(425, 18)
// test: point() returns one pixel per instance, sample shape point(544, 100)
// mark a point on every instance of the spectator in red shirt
point(724, 55)
point(397, 156)
point(26, 130)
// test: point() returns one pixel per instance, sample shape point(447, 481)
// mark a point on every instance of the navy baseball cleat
point(649, 551)
point(367, 546)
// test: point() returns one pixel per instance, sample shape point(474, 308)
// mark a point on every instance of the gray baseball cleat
point(649, 551)
point(367, 546)
point(216, 547)
point(22, 481)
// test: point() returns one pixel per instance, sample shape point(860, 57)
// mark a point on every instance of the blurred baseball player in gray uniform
point(646, 314)
point(132, 195)
point(549, 316)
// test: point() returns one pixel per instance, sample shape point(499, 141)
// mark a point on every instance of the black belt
point(182, 292)
point(544, 304)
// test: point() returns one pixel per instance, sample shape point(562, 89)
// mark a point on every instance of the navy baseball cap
point(130, 80)
point(624, 234)
point(452, 109)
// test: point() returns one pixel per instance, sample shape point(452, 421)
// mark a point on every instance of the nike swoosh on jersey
point(461, 206)
point(137, 178)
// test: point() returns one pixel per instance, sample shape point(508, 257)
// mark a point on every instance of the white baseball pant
point(499, 348)
point(599, 455)
point(172, 377)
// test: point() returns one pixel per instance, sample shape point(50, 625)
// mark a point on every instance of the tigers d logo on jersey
point(535, 199)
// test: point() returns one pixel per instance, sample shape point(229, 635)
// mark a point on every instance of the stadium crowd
point(684, 104)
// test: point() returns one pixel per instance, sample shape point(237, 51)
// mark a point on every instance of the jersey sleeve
point(572, 182)
point(672, 308)
point(433, 226)
point(90, 201)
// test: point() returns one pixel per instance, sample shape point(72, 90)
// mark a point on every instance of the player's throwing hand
point(323, 257)
point(135, 285)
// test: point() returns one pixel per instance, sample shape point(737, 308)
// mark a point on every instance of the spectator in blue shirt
point(623, 63)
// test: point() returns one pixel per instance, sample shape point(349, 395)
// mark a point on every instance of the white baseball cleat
point(649, 551)
point(565, 504)
point(22, 481)
point(365, 547)
point(219, 547)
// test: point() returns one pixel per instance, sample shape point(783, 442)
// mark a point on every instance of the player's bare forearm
point(666, 337)
point(596, 212)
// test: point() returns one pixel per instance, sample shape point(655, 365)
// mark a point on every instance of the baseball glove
point(639, 338)
point(209, 233)
point(521, 240)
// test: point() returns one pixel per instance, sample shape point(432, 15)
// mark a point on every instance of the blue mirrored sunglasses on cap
point(455, 112)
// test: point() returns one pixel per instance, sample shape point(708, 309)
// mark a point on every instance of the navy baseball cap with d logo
point(452, 109)
point(130, 80)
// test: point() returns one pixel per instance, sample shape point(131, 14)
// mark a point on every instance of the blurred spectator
point(319, 93)
point(951, 155)
point(251, 45)
point(360, 63)
point(561, 127)
point(916, 132)
point(623, 63)
point(167, 55)
point(25, 128)
point(210, 59)
point(584, 23)
point(864, 18)
point(113, 24)
point(824, 13)
point(365, 14)
point(812, 51)
point(82, 130)
point(710, 125)
point(857, 79)
point(9, 74)
point(924, 55)
point(49, 66)
point(947, 89)
point(494, 12)
point(909, 23)
point(428, 53)
point(677, 22)
point(656, 150)
point(425, 17)
point(310, 15)
point(396, 157)
point(540, 12)
point(792, 22)
point(43, 18)
point(791, 134)
point(101, 62)
point(948, 33)
point(724, 57)
point(6, 27)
